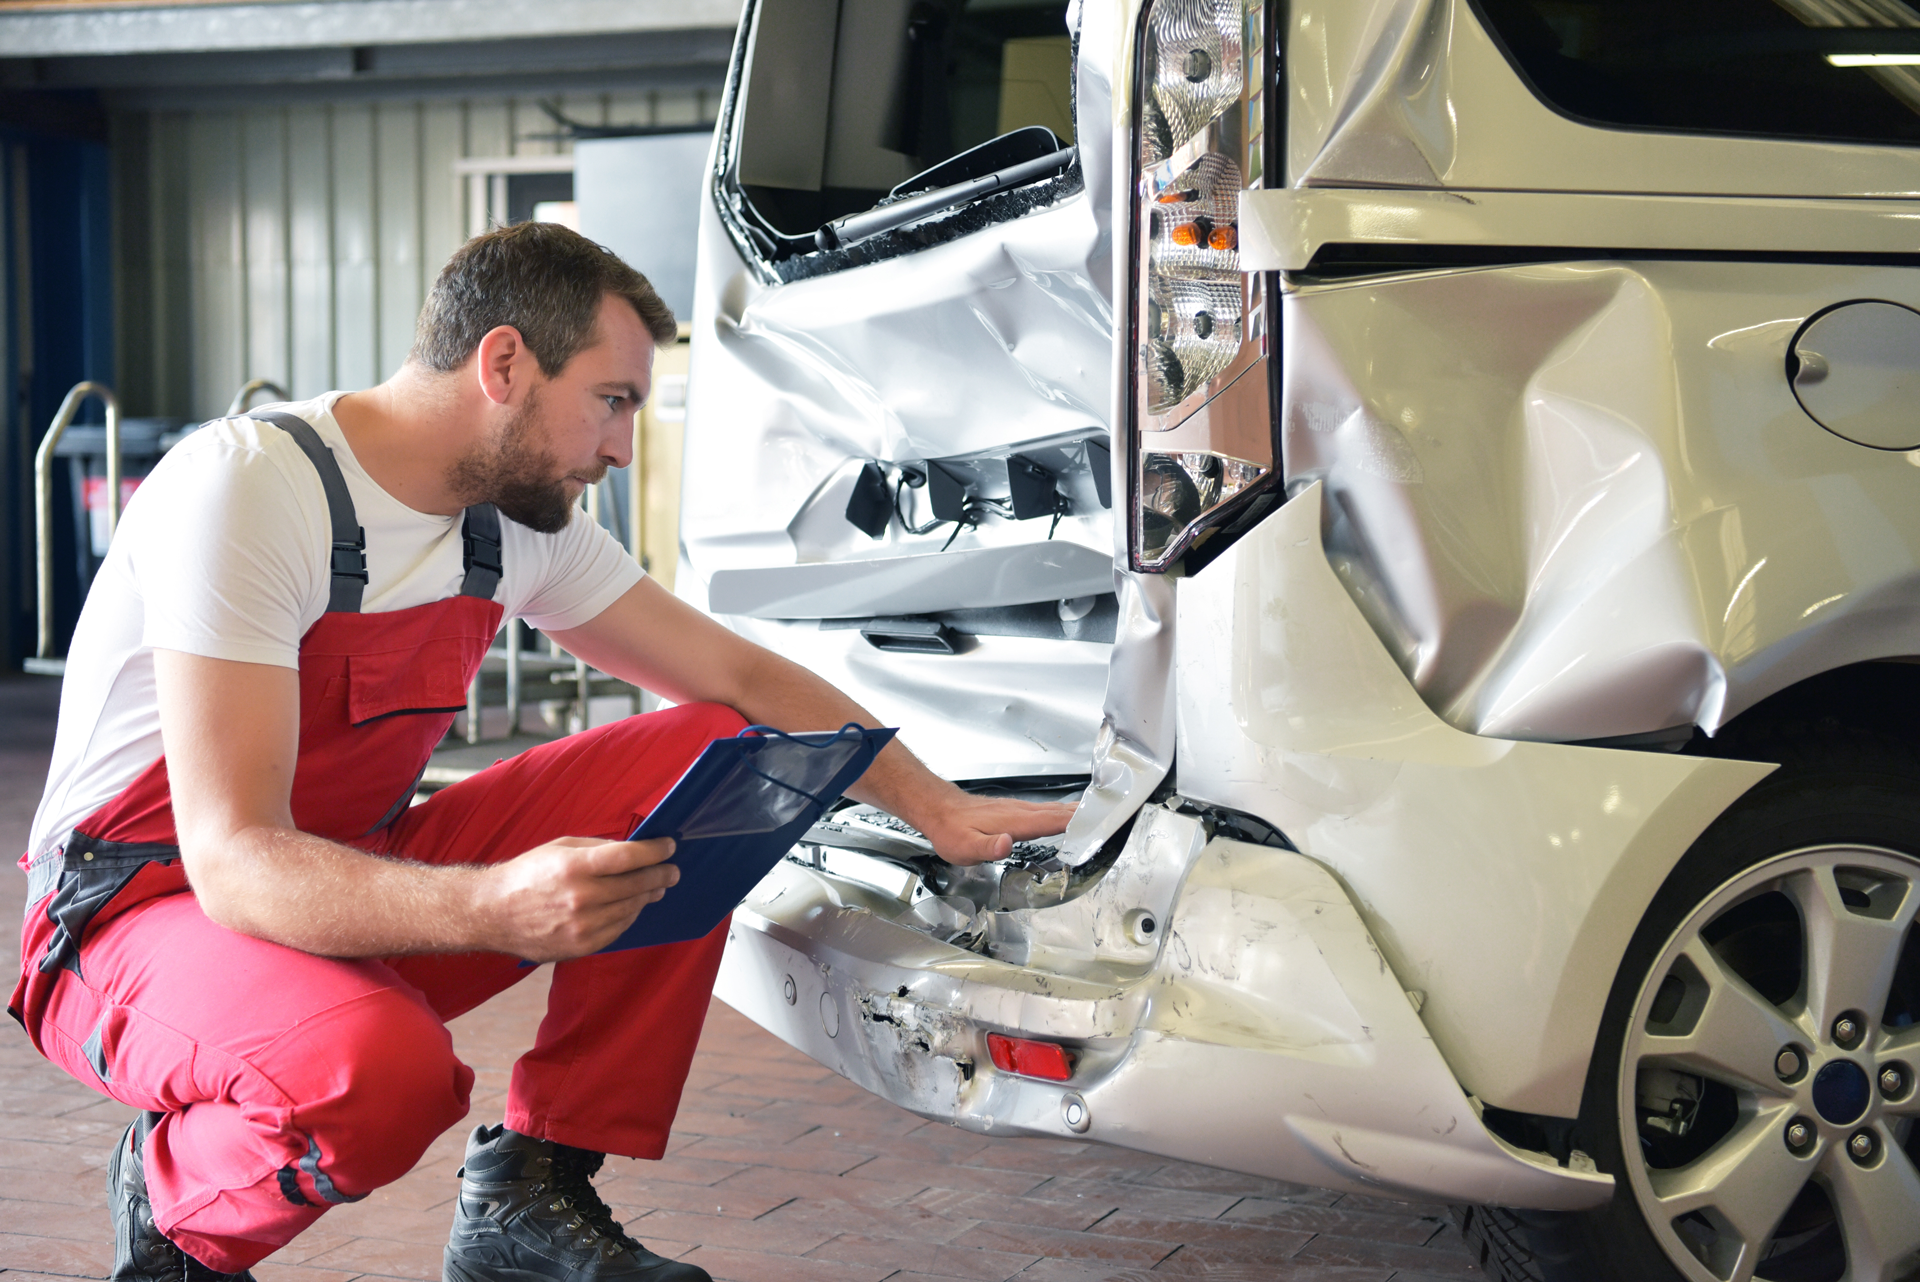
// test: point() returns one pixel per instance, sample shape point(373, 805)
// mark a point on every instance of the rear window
point(1835, 70)
point(844, 101)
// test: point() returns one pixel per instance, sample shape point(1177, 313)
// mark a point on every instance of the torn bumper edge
point(1272, 1040)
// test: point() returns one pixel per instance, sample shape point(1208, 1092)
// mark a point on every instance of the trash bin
point(85, 449)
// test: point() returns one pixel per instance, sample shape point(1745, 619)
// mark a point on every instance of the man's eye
point(613, 403)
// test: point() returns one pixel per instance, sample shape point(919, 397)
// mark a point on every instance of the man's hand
point(977, 830)
point(573, 896)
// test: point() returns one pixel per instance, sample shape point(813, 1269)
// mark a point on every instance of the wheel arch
point(1879, 696)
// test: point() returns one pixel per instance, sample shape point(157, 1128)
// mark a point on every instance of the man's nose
point(616, 448)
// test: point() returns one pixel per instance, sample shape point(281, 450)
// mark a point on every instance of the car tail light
point(1029, 1058)
point(1199, 413)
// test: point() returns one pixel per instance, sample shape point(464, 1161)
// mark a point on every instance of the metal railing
point(43, 500)
point(243, 399)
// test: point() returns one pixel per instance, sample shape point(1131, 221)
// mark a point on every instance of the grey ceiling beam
point(81, 31)
point(619, 52)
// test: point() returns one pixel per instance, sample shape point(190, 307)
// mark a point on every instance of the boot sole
point(455, 1271)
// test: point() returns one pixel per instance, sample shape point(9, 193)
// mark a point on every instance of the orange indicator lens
point(1029, 1058)
point(1186, 234)
point(1224, 238)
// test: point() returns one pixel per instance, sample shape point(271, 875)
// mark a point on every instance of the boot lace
point(573, 1172)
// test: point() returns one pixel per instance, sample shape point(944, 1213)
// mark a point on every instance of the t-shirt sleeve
point(582, 571)
point(227, 554)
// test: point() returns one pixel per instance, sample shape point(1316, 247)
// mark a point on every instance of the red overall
point(291, 1082)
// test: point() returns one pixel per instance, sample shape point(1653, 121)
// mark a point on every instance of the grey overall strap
point(347, 561)
point(480, 532)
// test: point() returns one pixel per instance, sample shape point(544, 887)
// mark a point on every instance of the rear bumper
point(1262, 1033)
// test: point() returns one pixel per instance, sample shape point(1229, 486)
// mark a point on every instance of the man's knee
point(389, 1085)
point(670, 738)
point(705, 721)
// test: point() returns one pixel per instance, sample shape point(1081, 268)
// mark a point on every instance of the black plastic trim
point(1343, 261)
point(1039, 620)
point(1237, 825)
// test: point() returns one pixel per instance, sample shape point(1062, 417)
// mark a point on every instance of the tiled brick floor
point(779, 1170)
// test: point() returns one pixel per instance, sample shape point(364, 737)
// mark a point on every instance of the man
point(253, 938)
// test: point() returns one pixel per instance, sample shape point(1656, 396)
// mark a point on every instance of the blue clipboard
point(738, 809)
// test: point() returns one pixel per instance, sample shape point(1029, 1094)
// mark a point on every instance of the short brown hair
point(543, 279)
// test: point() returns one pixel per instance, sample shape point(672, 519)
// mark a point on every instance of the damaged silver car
point(1439, 480)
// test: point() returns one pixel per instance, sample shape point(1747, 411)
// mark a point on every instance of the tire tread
point(1497, 1239)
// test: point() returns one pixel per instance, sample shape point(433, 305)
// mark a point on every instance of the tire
point(1779, 924)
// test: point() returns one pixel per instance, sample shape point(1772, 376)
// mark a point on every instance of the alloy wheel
point(1768, 1101)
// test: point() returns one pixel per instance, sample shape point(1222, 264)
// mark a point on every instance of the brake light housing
point(1048, 1061)
point(1199, 418)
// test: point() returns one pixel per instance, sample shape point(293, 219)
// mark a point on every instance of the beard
point(519, 476)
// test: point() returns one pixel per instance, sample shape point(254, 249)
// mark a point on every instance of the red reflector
point(1029, 1058)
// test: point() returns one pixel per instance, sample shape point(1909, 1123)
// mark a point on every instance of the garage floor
point(779, 1170)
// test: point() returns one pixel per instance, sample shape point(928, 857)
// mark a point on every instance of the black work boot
point(527, 1212)
point(141, 1253)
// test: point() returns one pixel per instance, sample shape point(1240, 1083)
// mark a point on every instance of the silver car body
point(1530, 505)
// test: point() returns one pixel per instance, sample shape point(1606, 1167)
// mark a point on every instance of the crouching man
point(239, 926)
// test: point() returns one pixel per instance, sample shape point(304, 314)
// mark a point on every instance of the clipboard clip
point(779, 777)
point(851, 735)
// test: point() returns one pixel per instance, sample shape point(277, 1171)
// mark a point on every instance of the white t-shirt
point(223, 552)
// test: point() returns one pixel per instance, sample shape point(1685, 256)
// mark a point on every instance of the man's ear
point(502, 364)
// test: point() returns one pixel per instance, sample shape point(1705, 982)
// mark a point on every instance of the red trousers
point(291, 1081)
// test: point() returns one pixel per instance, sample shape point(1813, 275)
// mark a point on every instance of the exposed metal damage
point(931, 1050)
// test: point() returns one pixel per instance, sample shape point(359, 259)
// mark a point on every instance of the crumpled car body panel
point(1580, 500)
point(1503, 879)
point(983, 344)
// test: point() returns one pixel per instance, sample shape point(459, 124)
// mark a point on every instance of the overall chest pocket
point(429, 677)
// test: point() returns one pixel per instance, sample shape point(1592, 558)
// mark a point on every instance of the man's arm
point(232, 731)
point(653, 639)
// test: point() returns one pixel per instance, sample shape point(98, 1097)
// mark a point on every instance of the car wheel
point(1753, 1089)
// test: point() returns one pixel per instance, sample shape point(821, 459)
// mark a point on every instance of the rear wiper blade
point(842, 232)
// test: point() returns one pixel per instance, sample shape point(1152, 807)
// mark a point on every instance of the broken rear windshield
point(844, 100)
